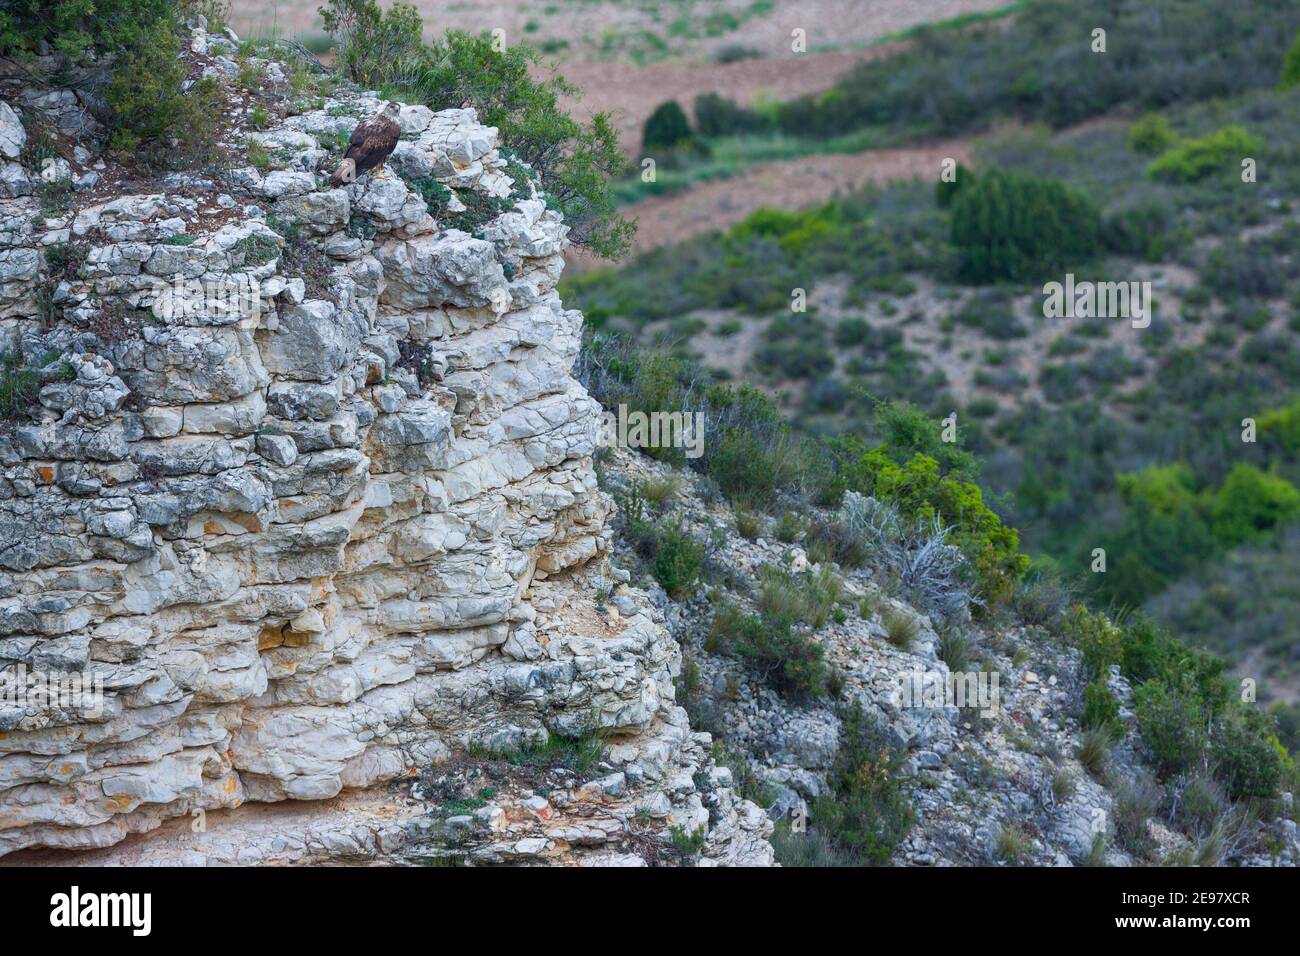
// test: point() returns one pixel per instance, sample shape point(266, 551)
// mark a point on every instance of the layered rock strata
point(300, 460)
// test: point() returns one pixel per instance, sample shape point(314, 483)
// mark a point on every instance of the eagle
point(371, 142)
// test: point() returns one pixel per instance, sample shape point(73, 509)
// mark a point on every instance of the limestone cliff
point(308, 485)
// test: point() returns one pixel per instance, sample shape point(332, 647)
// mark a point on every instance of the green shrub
point(140, 75)
point(945, 193)
point(954, 650)
point(1010, 225)
point(1202, 804)
point(1291, 66)
point(744, 469)
point(667, 127)
point(901, 629)
point(678, 560)
point(921, 493)
point(1173, 721)
point(1192, 159)
point(687, 843)
point(1282, 426)
point(215, 12)
point(153, 119)
point(1041, 598)
point(78, 30)
point(812, 849)
point(1152, 134)
point(836, 541)
point(730, 620)
point(1250, 503)
point(1014, 844)
point(866, 814)
point(790, 661)
point(790, 528)
point(822, 591)
point(1247, 756)
point(1100, 707)
point(578, 754)
point(807, 598)
point(19, 386)
point(779, 595)
point(435, 195)
point(1094, 751)
point(1164, 533)
point(784, 657)
point(749, 525)
point(1135, 803)
point(1099, 641)
point(1140, 228)
point(371, 41)
point(718, 116)
point(660, 489)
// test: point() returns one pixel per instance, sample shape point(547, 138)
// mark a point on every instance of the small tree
point(1152, 135)
point(373, 43)
point(667, 127)
point(1250, 503)
point(1009, 225)
point(123, 57)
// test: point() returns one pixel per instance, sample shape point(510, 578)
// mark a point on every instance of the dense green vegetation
point(866, 814)
point(80, 30)
point(122, 56)
point(1007, 225)
point(1042, 66)
point(756, 457)
point(666, 127)
point(1038, 66)
point(1187, 716)
point(778, 642)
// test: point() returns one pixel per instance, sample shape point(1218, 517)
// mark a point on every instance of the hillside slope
point(1010, 778)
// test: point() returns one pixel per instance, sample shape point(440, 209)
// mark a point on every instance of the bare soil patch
point(792, 184)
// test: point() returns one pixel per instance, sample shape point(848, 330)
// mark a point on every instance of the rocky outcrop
point(303, 462)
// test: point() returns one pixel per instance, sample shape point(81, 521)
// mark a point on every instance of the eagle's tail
point(345, 174)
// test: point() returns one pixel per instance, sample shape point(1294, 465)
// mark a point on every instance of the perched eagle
point(371, 142)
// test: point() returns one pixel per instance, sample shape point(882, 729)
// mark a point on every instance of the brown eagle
point(371, 142)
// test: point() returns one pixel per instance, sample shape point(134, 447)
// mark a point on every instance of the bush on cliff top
point(575, 162)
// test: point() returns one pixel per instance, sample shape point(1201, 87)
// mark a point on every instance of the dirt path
point(788, 185)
